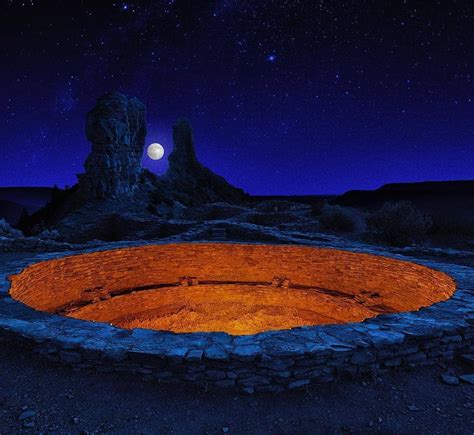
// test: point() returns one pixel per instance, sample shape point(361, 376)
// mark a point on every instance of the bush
point(276, 206)
point(7, 231)
point(317, 208)
point(399, 223)
point(267, 219)
point(49, 234)
point(337, 218)
point(215, 211)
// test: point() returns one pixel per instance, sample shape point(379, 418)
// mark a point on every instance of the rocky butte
point(115, 187)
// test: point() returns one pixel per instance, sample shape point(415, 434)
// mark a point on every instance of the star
point(271, 57)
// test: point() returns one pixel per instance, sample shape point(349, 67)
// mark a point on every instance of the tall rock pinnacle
point(190, 182)
point(183, 153)
point(116, 126)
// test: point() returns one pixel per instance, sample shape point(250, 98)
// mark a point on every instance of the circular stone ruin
point(256, 317)
point(233, 288)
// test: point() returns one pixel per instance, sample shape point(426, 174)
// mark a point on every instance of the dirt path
point(64, 401)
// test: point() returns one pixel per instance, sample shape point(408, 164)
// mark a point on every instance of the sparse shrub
point(337, 218)
point(219, 210)
point(317, 208)
point(7, 231)
point(49, 234)
point(266, 219)
point(275, 206)
point(152, 209)
point(399, 223)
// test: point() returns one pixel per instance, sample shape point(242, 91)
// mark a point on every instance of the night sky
point(285, 96)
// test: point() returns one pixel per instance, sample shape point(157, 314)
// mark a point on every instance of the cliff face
point(116, 127)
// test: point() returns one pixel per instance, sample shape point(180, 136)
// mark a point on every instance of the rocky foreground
point(36, 397)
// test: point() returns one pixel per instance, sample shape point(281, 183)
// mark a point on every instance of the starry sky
point(285, 96)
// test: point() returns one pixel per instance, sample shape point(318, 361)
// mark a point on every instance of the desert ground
point(36, 397)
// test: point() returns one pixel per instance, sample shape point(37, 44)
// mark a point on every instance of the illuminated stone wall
point(400, 286)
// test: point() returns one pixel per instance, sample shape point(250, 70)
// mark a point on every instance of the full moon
point(155, 151)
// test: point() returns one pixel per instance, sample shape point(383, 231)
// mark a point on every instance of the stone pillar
point(116, 127)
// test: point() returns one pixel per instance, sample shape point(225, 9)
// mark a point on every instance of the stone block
point(396, 362)
point(194, 355)
point(451, 339)
point(216, 353)
point(363, 358)
point(246, 352)
point(215, 375)
point(253, 381)
point(227, 383)
point(415, 358)
point(269, 389)
point(70, 357)
point(299, 384)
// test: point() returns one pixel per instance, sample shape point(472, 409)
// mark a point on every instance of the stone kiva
point(37, 294)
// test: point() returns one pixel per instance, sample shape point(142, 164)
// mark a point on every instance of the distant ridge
point(302, 199)
point(432, 186)
point(405, 191)
point(35, 196)
point(13, 200)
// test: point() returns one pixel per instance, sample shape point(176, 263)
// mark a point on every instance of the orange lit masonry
point(236, 288)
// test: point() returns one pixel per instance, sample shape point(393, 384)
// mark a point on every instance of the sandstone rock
point(246, 352)
point(216, 375)
point(468, 359)
point(26, 415)
point(468, 378)
point(254, 381)
point(183, 154)
point(299, 384)
point(247, 390)
point(363, 358)
point(191, 182)
point(450, 379)
point(116, 127)
point(228, 383)
point(194, 355)
point(177, 354)
point(216, 353)
point(70, 357)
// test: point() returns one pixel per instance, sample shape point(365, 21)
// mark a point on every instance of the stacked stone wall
point(400, 285)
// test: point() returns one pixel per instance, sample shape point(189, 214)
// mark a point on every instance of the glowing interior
point(235, 288)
